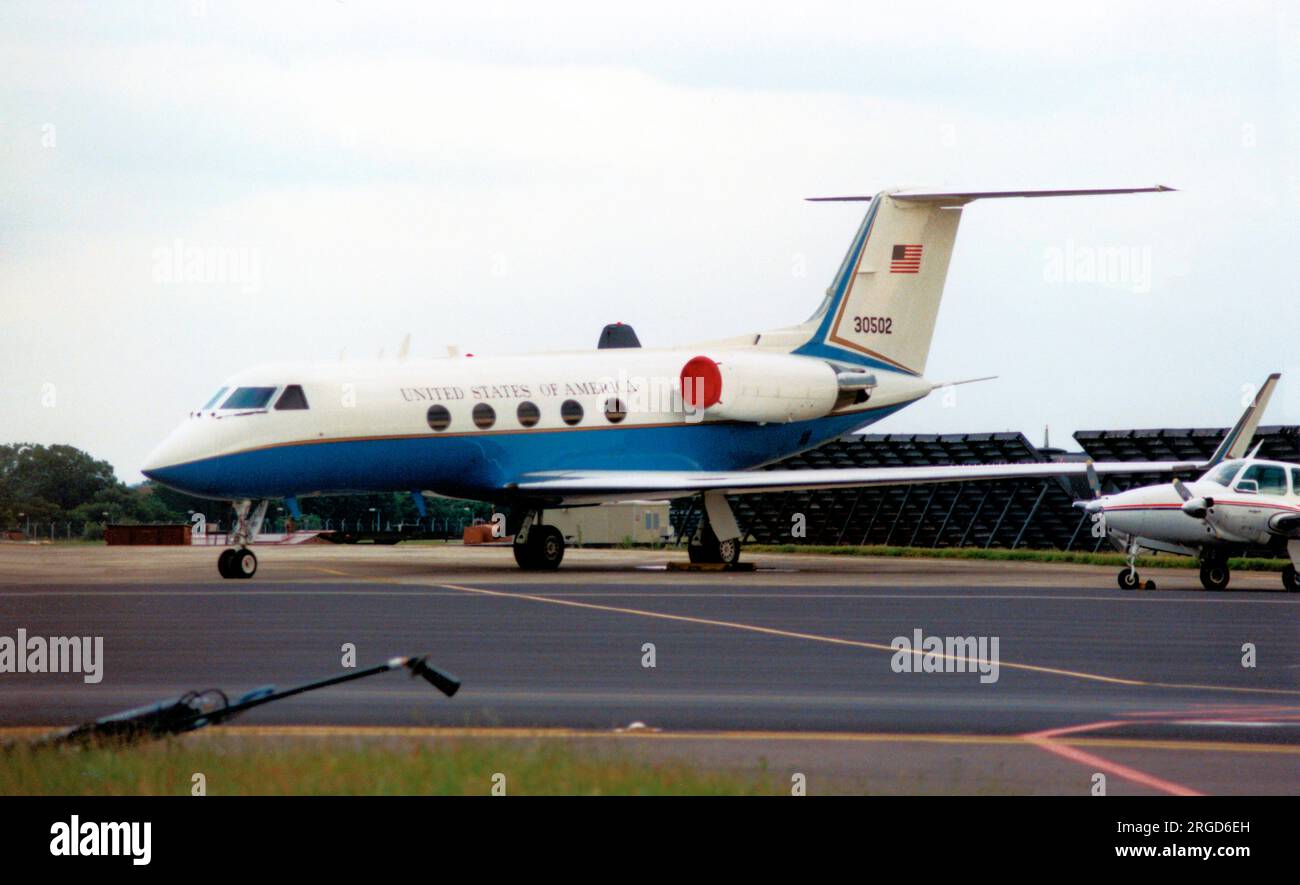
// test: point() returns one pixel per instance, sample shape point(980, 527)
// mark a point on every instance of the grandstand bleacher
point(1032, 513)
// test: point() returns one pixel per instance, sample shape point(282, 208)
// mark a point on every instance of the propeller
point(1197, 507)
point(1094, 483)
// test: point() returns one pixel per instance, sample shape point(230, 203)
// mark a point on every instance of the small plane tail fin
point(1237, 442)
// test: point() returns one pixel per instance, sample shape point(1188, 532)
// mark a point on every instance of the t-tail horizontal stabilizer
point(880, 309)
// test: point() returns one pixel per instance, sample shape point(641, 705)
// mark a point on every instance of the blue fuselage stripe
point(480, 466)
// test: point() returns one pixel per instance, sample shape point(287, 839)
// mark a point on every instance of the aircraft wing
point(599, 486)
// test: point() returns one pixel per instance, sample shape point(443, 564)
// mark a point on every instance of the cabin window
point(249, 398)
point(1271, 479)
point(213, 402)
point(528, 414)
point(292, 398)
point(615, 410)
point(571, 411)
point(438, 417)
point(1295, 480)
point(484, 416)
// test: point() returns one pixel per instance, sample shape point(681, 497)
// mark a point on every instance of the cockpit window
point(249, 398)
point(292, 398)
point(1271, 479)
point(1224, 473)
point(216, 396)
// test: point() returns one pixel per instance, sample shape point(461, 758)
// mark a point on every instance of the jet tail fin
point(1237, 441)
point(881, 308)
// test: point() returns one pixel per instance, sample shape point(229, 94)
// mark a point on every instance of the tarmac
point(793, 667)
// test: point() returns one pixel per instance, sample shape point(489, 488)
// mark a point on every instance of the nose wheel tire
point(543, 551)
point(1290, 580)
point(1129, 579)
point(1214, 577)
point(237, 564)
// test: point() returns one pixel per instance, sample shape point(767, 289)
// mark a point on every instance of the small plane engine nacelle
point(767, 387)
point(1285, 524)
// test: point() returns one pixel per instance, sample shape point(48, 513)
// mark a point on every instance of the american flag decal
point(905, 259)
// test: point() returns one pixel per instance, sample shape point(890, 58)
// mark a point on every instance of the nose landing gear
point(239, 562)
point(1129, 579)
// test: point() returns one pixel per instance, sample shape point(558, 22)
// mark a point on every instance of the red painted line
point(1217, 503)
point(1045, 740)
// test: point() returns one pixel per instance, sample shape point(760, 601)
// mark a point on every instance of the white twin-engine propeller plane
point(1239, 502)
point(617, 423)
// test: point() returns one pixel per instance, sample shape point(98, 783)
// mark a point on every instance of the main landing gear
point(1290, 580)
point(717, 537)
point(1214, 573)
point(239, 562)
point(538, 547)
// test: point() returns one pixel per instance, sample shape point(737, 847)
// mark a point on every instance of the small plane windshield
point(249, 398)
point(1223, 474)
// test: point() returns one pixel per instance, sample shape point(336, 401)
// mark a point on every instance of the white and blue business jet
point(620, 422)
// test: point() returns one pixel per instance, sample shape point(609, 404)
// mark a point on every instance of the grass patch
point(1161, 560)
point(262, 767)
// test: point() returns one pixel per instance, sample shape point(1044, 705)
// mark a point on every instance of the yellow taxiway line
point(858, 643)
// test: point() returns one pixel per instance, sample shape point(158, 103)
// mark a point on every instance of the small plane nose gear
point(538, 547)
point(1129, 579)
point(239, 562)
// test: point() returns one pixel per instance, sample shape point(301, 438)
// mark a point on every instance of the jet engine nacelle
point(767, 387)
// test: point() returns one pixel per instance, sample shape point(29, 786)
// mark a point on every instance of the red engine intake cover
point(700, 376)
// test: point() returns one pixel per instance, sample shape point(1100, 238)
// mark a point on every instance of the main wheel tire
point(224, 567)
point(1290, 580)
point(729, 551)
point(1129, 579)
point(705, 553)
point(243, 564)
point(544, 549)
point(1214, 576)
point(711, 550)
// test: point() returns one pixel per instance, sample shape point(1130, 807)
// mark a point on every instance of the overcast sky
point(508, 178)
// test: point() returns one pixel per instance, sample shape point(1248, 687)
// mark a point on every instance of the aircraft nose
point(183, 445)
